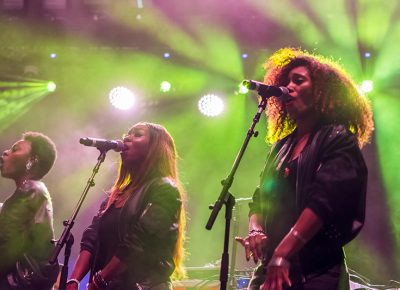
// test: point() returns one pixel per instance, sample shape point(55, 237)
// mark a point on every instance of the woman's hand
point(254, 245)
point(276, 277)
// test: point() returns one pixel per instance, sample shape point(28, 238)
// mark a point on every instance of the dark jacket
point(26, 231)
point(147, 234)
point(331, 181)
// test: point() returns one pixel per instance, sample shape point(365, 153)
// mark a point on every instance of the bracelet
point(257, 231)
point(99, 281)
point(278, 262)
point(297, 235)
point(75, 281)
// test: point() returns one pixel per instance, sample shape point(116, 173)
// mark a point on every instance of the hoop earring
point(29, 165)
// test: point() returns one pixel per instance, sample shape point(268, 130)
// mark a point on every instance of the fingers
point(287, 280)
point(254, 245)
point(258, 242)
point(260, 245)
point(245, 243)
point(276, 278)
point(240, 240)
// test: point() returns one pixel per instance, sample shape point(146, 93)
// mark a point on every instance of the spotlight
point(165, 86)
point(245, 55)
point(51, 86)
point(367, 54)
point(243, 89)
point(53, 55)
point(367, 86)
point(211, 105)
point(139, 4)
point(121, 98)
point(167, 55)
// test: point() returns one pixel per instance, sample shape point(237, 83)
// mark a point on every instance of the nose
point(290, 89)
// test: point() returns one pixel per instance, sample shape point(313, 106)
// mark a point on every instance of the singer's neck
point(306, 125)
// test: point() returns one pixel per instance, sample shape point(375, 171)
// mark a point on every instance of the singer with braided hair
point(311, 198)
point(136, 239)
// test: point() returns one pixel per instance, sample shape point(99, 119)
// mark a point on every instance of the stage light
point(139, 4)
point(245, 55)
point(121, 98)
point(51, 86)
point(167, 55)
point(243, 89)
point(53, 55)
point(211, 105)
point(165, 86)
point(367, 54)
point(367, 86)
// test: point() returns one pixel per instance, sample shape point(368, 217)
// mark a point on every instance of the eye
point(138, 134)
point(298, 81)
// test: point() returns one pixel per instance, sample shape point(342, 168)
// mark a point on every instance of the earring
point(29, 164)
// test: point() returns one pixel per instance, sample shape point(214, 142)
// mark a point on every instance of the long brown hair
point(336, 97)
point(160, 161)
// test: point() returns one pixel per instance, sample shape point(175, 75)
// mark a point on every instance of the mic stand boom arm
point(67, 237)
point(227, 199)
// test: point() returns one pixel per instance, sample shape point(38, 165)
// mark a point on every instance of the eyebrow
point(136, 129)
point(298, 74)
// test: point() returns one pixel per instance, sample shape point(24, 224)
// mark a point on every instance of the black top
point(145, 232)
point(331, 180)
point(108, 235)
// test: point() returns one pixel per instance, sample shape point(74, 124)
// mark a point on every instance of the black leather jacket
point(26, 227)
point(147, 234)
point(331, 180)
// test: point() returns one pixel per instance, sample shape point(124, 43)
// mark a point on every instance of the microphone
point(265, 90)
point(104, 145)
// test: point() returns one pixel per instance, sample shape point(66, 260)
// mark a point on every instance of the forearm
point(307, 225)
point(82, 265)
point(255, 223)
point(113, 268)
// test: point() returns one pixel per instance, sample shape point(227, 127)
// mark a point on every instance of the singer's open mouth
point(289, 99)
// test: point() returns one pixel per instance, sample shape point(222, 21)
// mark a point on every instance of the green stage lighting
point(367, 86)
point(51, 86)
point(165, 86)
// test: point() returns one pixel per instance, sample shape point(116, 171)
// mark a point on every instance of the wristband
point(278, 262)
point(257, 231)
point(297, 235)
point(75, 281)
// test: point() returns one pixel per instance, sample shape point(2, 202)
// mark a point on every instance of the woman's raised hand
point(254, 244)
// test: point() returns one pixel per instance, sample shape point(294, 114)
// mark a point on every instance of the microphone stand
point(67, 238)
point(232, 271)
point(227, 199)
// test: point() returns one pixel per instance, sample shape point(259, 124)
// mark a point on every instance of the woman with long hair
point(311, 198)
point(136, 239)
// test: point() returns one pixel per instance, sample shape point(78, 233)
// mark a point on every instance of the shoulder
point(163, 188)
point(35, 189)
point(164, 182)
point(331, 135)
